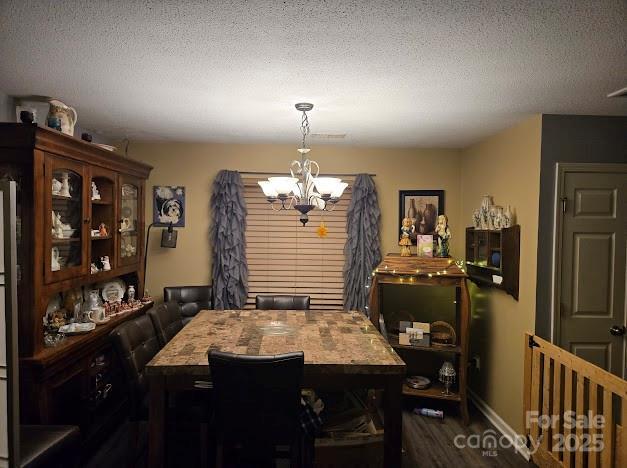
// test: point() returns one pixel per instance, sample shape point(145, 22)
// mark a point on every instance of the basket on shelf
point(443, 334)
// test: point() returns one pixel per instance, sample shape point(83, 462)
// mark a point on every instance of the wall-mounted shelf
point(494, 254)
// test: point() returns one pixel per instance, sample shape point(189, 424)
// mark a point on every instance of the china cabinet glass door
point(65, 253)
point(103, 229)
point(129, 221)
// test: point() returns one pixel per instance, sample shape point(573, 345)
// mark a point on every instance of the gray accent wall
point(568, 139)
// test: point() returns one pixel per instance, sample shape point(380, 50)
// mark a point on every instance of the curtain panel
point(362, 250)
point(228, 244)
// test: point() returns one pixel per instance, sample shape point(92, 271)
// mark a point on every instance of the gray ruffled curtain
point(362, 250)
point(228, 227)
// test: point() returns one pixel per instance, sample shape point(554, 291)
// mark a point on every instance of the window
point(286, 258)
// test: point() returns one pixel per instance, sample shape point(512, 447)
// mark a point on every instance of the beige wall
point(506, 166)
point(195, 165)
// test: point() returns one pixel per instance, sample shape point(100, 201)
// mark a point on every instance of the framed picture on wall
point(423, 208)
point(168, 205)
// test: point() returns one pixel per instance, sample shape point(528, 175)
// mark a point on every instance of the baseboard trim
point(501, 426)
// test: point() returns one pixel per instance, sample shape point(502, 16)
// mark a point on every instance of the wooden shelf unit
point(56, 384)
point(481, 247)
point(422, 271)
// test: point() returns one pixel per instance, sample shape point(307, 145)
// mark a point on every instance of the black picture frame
point(421, 199)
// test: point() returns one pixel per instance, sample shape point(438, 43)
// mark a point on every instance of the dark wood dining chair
point(191, 299)
point(167, 320)
point(136, 343)
point(256, 408)
point(282, 302)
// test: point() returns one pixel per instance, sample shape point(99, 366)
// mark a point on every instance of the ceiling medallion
point(304, 190)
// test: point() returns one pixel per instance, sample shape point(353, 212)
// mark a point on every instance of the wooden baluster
point(528, 387)
point(556, 409)
point(536, 388)
point(546, 399)
point(608, 433)
point(579, 411)
point(593, 407)
point(568, 405)
point(621, 452)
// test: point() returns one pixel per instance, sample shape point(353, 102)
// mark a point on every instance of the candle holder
point(447, 376)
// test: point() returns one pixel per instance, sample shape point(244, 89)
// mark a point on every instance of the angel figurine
point(405, 240)
point(444, 234)
point(106, 265)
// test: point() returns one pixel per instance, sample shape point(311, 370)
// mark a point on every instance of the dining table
point(342, 349)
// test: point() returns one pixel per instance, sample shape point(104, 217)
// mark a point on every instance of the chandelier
point(304, 190)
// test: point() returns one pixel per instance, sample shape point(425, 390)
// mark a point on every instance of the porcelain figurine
point(57, 226)
point(56, 187)
point(405, 241)
point(444, 234)
point(95, 194)
point(106, 266)
point(131, 293)
point(476, 219)
point(65, 185)
point(102, 230)
point(66, 115)
point(94, 269)
point(54, 263)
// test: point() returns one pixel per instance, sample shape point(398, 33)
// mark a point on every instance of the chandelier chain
point(304, 127)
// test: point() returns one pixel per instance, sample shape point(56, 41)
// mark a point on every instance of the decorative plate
point(77, 328)
point(113, 291)
point(418, 381)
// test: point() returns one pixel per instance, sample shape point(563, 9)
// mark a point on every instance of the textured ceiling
point(409, 73)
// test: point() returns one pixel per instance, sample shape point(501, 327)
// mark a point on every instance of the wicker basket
point(443, 334)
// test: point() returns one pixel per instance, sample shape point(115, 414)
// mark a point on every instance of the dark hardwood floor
point(427, 443)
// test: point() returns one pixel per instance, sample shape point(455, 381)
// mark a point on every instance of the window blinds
point(286, 258)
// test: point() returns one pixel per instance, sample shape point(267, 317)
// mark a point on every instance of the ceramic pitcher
point(65, 113)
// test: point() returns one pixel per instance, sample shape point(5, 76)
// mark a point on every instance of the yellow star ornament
point(322, 230)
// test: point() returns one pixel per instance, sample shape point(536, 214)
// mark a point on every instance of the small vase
point(498, 218)
point(476, 219)
point(508, 217)
point(486, 202)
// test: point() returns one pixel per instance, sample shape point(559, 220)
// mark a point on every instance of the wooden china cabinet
point(78, 381)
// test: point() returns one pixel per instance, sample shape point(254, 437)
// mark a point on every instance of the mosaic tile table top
point(333, 341)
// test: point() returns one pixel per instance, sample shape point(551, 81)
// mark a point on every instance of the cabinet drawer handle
point(86, 220)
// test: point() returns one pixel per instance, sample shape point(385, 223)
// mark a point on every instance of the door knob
point(617, 330)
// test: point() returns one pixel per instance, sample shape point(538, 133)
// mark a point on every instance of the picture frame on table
point(423, 207)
